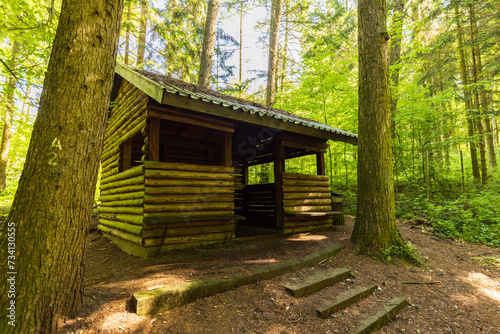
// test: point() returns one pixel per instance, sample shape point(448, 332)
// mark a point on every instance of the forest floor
point(464, 299)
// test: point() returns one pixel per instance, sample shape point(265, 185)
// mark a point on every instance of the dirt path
point(466, 299)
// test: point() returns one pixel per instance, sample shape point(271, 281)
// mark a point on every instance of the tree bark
point(207, 53)
point(127, 33)
point(143, 27)
point(10, 92)
point(394, 56)
point(486, 120)
point(375, 228)
point(464, 76)
point(53, 204)
point(273, 51)
point(477, 105)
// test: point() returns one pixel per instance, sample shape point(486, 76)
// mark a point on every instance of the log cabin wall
point(260, 205)
point(305, 193)
point(187, 205)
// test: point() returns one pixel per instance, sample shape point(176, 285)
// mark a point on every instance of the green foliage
point(472, 216)
point(400, 252)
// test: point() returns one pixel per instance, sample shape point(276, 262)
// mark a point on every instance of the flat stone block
point(317, 257)
point(276, 269)
point(382, 317)
point(316, 282)
point(344, 300)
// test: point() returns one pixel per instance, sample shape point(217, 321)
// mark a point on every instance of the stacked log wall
point(187, 205)
point(122, 192)
point(305, 193)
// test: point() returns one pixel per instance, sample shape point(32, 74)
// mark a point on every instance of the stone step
point(344, 300)
point(382, 317)
point(319, 280)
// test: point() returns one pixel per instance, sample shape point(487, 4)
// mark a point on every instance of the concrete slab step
point(316, 282)
point(382, 317)
point(344, 300)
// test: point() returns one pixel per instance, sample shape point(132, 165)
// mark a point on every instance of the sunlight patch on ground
point(465, 299)
point(121, 321)
point(307, 237)
point(486, 285)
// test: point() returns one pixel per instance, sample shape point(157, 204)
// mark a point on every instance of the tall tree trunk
point(273, 50)
point(477, 105)
point(486, 120)
point(52, 207)
point(375, 228)
point(464, 76)
point(207, 53)
point(143, 27)
point(127, 32)
point(394, 56)
point(10, 91)
point(284, 59)
point(241, 44)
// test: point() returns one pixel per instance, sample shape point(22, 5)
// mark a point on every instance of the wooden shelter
point(175, 166)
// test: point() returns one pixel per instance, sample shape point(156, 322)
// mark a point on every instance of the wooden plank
point(194, 198)
point(306, 183)
point(303, 146)
point(227, 150)
point(128, 174)
point(315, 282)
point(120, 234)
point(288, 196)
point(187, 175)
point(311, 201)
point(187, 167)
point(188, 217)
point(187, 183)
point(129, 228)
point(191, 223)
point(154, 139)
point(320, 163)
point(302, 229)
point(188, 230)
point(311, 222)
point(187, 239)
point(314, 143)
point(123, 190)
point(279, 169)
point(123, 217)
point(126, 158)
point(116, 197)
point(310, 214)
point(153, 191)
point(148, 86)
point(297, 176)
point(123, 183)
point(216, 206)
point(305, 189)
point(127, 202)
point(136, 210)
point(304, 208)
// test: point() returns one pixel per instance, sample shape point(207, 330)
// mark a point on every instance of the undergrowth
point(472, 216)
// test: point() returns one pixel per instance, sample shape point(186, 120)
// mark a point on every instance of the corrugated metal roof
point(230, 102)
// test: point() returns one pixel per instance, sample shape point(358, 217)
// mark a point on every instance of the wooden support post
point(227, 149)
point(244, 172)
point(154, 139)
point(126, 162)
point(320, 163)
point(279, 169)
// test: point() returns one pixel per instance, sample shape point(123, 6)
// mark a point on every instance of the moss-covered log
point(304, 177)
point(120, 234)
point(218, 206)
point(188, 239)
point(187, 175)
point(129, 228)
point(310, 201)
point(128, 174)
point(187, 183)
point(301, 189)
point(123, 217)
point(191, 223)
point(195, 198)
point(154, 217)
point(120, 197)
point(138, 180)
point(312, 208)
point(187, 167)
point(154, 191)
point(307, 183)
point(126, 202)
point(188, 230)
point(290, 196)
point(136, 210)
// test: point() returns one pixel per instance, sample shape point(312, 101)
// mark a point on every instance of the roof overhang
point(216, 106)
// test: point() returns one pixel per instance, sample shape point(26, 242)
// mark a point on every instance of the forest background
point(445, 65)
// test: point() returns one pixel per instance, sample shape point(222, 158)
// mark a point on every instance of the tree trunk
point(477, 105)
point(273, 51)
point(375, 228)
point(127, 33)
point(143, 27)
point(241, 44)
point(10, 91)
point(464, 76)
point(207, 53)
point(486, 120)
point(53, 204)
point(394, 56)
